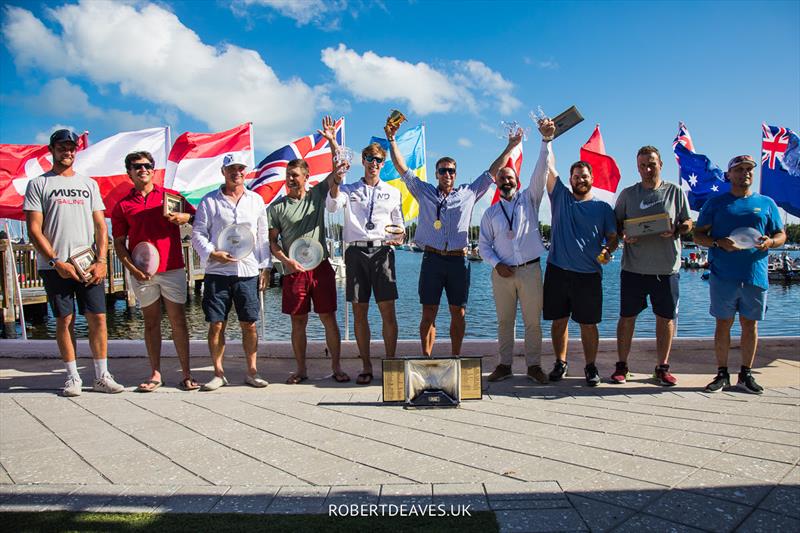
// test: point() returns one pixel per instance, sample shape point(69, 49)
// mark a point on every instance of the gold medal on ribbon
point(437, 225)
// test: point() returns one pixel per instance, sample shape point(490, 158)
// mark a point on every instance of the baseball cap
point(235, 158)
point(62, 136)
point(741, 160)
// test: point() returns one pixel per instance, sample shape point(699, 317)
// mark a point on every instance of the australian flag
point(780, 167)
point(701, 179)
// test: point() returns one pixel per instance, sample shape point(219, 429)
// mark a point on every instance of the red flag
point(515, 162)
point(20, 163)
point(604, 169)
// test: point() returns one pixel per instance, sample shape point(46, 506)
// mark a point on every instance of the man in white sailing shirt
point(511, 243)
point(370, 206)
point(230, 281)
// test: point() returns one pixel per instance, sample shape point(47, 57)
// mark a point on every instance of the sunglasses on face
point(139, 166)
point(442, 171)
point(373, 158)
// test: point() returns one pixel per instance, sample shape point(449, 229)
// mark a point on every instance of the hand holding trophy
point(393, 123)
point(342, 162)
point(513, 130)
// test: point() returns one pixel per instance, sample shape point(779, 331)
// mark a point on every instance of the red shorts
point(300, 288)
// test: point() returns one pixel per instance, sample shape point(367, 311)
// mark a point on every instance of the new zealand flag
point(780, 167)
point(702, 179)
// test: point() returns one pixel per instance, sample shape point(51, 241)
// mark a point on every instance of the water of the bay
point(783, 315)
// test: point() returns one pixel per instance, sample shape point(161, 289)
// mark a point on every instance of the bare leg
point(590, 338)
point(427, 328)
point(152, 338)
point(65, 337)
point(722, 341)
point(250, 345)
point(625, 328)
point(389, 319)
point(216, 345)
point(363, 337)
point(98, 334)
point(299, 342)
point(457, 327)
point(665, 329)
point(560, 335)
point(180, 334)
point(749, 340)
point(333, 339)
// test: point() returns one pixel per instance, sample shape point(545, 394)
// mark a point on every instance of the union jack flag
point(683, 137)
point(269, 177)
point(773, 145)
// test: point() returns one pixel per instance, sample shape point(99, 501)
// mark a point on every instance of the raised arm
point(548, 128)
point(398, 160)
point(513, 141)
point(328, 131)
point(543, 172)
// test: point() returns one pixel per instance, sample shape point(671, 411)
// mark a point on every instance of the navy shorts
point(662, 290)
point(577, 293)
point(222, 292)
point(62, 293)
point(370, 270)
point(444, 272)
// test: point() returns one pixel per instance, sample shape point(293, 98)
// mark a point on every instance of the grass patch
point(65, 521)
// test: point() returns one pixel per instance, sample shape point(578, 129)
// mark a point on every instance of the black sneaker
point(747, 383)
point(592, 375)
point(722, 380)
point(559, 370)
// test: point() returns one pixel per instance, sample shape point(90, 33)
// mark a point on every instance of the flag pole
point(260, 293)
point(17, 286)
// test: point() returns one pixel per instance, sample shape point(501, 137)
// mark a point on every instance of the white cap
point(235, 158)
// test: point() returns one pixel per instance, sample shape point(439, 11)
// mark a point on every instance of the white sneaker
point(72, 387)
point(215, 383)
point(107, 384)
point(256, 381)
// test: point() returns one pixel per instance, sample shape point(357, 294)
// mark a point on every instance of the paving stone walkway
point(561, 457)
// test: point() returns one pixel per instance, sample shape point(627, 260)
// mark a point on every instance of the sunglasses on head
point(138, 166)
point(442, 171)
point(371, 158)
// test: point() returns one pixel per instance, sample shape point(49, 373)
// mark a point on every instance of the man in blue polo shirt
point(738, 279)
point(584, 235)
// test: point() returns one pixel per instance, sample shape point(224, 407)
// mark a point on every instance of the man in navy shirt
point(738, 279)
point(584, 235)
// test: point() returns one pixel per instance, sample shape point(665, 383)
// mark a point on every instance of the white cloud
point(463, 141)
point(146, 51)
point(547, 64)
point(323, 13)
point(43, 137)
point(424, 89)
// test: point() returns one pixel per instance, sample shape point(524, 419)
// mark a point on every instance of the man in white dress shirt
point(370, 206)
point(230, 280)
point(511, 243)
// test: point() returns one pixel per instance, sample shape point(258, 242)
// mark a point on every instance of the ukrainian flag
point(412, 145)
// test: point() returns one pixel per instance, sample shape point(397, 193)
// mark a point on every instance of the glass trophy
point(507, 129)
point(145, 257)
point(308, 252)
point(237, 240)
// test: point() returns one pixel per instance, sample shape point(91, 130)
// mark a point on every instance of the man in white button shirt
point(230, 281)
point(370, 206)
point(511, 243)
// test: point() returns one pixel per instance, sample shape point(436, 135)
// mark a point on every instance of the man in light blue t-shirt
point(738, 279)
point(583, 235)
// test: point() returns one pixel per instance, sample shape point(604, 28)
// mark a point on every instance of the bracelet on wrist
point(547, 139)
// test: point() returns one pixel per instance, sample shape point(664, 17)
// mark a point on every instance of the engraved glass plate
point(307, 252)
point(745, 238)
point(146, 257)
point(237, 240)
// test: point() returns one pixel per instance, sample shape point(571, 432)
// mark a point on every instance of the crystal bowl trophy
point(308, 252)
point(745, 238)
point(343, 155)
point(237, 240)
point(507, 129)
point(394, 232)
point(145, 257)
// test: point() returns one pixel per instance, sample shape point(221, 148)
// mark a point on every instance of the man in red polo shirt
point(139, 218)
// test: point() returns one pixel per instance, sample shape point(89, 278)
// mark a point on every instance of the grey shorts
point(370, 270)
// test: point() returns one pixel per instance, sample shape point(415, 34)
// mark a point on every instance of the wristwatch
point(53, 262)
point(714, 244)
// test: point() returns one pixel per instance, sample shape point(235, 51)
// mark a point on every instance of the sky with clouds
point(458, 67)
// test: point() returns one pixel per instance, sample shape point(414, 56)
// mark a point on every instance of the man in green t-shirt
point(301, 214)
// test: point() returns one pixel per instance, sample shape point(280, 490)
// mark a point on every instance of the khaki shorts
point(170, 284)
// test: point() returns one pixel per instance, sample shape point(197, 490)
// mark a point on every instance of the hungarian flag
point(105, 161)
point(269, 177)
point(605, 171)
point(515, 162)
point(20, 163)
point(194, 165)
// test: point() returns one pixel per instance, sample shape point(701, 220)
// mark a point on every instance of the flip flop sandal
point(364, 378)
point(155, 384)
point(188, 384)
point(294, 379)
point(340, 377)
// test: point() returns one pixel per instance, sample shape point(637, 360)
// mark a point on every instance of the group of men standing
point(65, 212)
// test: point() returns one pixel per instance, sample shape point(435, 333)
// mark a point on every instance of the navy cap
point(63, 136)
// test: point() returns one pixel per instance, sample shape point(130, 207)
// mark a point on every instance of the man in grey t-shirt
point(650, 263)
point(64, 213)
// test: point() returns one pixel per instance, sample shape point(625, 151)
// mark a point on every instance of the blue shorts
point(62, 294)
point(727, 297)
point(664, 293)
point(220, 293)
point(444, 272)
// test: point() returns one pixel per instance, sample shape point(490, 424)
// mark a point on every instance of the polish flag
point(604, 169)
point(19, 164)
point(105, 161)
point(515, 162)
point(194, 165)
